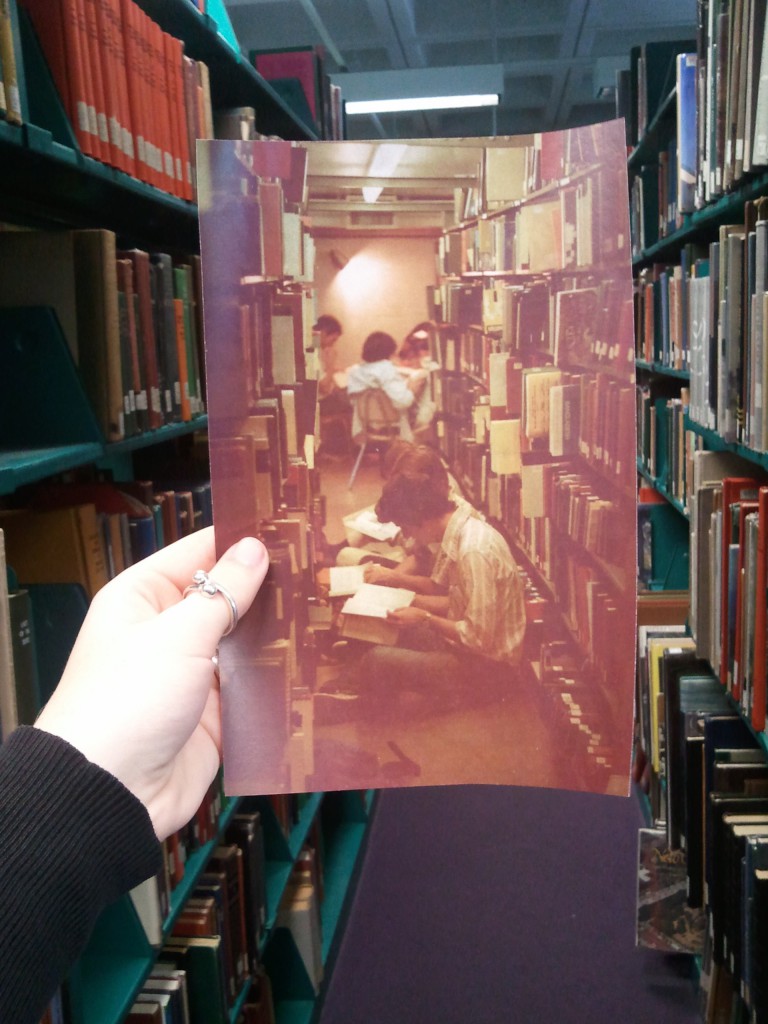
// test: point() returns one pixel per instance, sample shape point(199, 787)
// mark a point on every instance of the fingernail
point(249, 552)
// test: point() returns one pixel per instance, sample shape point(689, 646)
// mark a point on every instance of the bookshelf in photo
point(531, 384)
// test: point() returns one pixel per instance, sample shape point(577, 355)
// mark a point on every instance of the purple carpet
point(496, 905)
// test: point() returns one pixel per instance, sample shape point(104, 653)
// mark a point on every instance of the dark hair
point(412, 497)
point(329, 324)
point(392, 456)
point(378, 346)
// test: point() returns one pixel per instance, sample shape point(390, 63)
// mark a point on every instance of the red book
point(132, 101)
point(189, 99)
point(115, 44)
point(735, 489)
point(93, 50)
point(143, 66)
point(174, 51)
point(737, 673)
point(126, 286)
point(759, 666)
point(142, 282)
point(162, 109)
point(78, 22)
point(110, 83)
point(55, 29)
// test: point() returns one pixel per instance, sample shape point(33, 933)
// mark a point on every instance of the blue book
point(686, 132)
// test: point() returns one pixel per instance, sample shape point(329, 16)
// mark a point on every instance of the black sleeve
point(72, 840)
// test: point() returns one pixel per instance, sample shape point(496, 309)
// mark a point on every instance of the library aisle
point(502, 905)
point(497, 904)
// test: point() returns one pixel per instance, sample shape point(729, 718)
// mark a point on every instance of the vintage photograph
point(420, 377)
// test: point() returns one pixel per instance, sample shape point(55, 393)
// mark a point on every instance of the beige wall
point(381, 288)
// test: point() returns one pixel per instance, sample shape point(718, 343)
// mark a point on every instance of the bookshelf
point(700, 347)
point(533, 323)
point(52, 431)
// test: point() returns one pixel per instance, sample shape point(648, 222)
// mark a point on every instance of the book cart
point(49, 426)
point(697, 174)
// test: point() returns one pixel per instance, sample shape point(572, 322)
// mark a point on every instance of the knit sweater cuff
point(72, 840)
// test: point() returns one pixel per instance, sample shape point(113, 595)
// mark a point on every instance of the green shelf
point(727, 209)
point(714, 442)
point(18, 468)
point(153, 437)
point(660, 368)
point(342, 850)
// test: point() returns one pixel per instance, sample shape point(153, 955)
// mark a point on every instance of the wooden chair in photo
point(380, 423)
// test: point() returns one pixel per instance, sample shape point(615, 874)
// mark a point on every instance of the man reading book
point(466, 622)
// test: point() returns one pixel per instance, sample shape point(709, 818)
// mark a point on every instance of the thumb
point(204, 619)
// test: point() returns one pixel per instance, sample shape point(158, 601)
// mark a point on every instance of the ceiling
point(554, 53)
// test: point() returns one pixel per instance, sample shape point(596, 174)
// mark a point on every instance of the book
point(365, 613)
point(56, 546)
point(686, 75)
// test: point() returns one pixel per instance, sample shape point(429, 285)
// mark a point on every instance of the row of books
point(571, 323)
point(62, 544)
point(665, 446)
point(523, 167)
point(134, 99)
point(131, 321)
point(728, 608)
point(707, 316)
point(573, 228)
point(300, 76)
point(709, 787)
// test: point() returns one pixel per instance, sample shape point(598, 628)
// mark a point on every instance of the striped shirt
point(485, 588)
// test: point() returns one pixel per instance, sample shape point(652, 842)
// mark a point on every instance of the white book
point(346, 579)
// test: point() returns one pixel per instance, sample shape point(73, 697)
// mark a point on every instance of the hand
point(375, 573)
point(139, 695)
point(409, 616)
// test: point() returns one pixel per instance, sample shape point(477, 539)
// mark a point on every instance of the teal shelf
point(294, 1011)
point(702, 222)
point(193, 868)
point(29, 466)
point(153, 437)
point(659, 487)
point(18, 468)
point(660, 368)
point(342, 850)
point(714, 442)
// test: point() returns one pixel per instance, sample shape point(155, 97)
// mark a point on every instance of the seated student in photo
point(328, 331)
point(414, 361)
point(377, 371)
point(455, 641)
point(414, 571)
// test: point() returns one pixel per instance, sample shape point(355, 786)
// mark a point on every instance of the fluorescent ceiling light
point(371, 193)
point(380, 92)
point(392, 106)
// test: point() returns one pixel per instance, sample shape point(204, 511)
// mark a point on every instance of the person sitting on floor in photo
point(455, 639)
point(377, 371)
point(414, 571)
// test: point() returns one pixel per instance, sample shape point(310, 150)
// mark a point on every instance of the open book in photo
point(367, 523)
point(365, 613)
point(346, 579)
